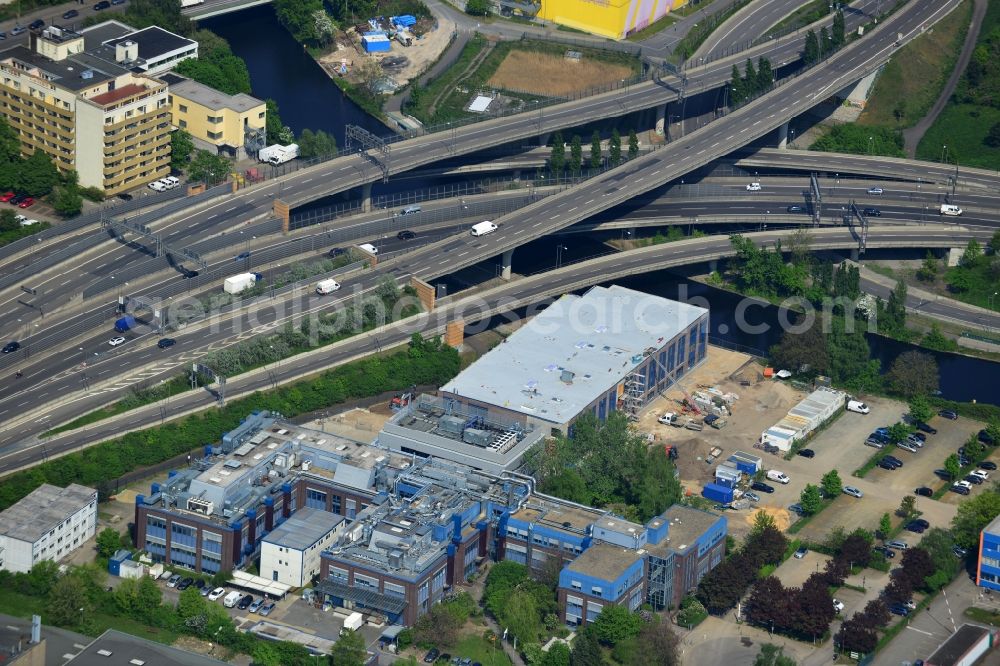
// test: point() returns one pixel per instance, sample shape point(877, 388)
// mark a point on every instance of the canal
point(280, 69)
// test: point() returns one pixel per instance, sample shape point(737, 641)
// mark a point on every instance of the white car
point(852, 491)
point(753, 187)
point(875, 190)
point(838, 605)
point(857, 406)
point(981, 473)
point(668, 419)
point(369, 248)
point(158, 186)
point(171, 182)
point(28, 223)
point(114, 342)
point(216, 593)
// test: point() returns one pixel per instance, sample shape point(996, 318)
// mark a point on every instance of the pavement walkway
point(912, 136)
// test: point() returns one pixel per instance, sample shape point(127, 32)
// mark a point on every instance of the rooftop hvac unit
point(477, 437)
point(199, 505)
point(452, 424)
point(306, 464)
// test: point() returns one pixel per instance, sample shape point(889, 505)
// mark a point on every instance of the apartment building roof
point(574, 352)
point(605, 561)
point(153, 41)
point(75, 73)
point(117, 94)
point(209, 97)
point(96, 35)
point(42, 510)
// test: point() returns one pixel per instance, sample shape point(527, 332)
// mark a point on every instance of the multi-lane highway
point(65, 395)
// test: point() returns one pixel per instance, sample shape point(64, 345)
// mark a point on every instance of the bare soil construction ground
point(554, 76)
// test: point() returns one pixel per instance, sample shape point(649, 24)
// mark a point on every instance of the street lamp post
point(871, 145)
point(559, 251)
point(992, 296)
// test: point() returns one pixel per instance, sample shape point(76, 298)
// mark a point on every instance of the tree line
point(559, 163)
point(752, 82)
point(826, 43)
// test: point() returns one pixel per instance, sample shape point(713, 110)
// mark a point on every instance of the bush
point(692, 613)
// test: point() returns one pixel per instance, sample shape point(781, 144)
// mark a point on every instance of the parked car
point(752, 496)
point(907, 446)
point(266, 609)
point(70, 14)
point(838, 606)
point(125, 196)
point(961, 487)
point(985, 437)
point(987, 464)
point(924, 491)
point(185, 584)
point(335, 252)
point(920, 521)
point(852, 491)
point(885, 464)
point(948, 414)
point(245, 602)
point(943, 474)
point(959, 551)
point(974, 480)
point(255, 606)
point(16, 199)
point(930, 430)
point(26, 202)
point(11, 346)
point(898, 545)
point(899, 609)
point(201, 585)
point(807, 453)
point(887, 553)
point(874, 442)
point(981, 473)
point(915, 527)
point(18, 30)
point(103, 4)
point(875, 190)
point(431, 656)
point(7, 196)
point(894, 460)
point(919, 435)
point(37, 24)
point(796, 508)
point(216, 593)
point(801, 552)
point(174, 579)
point(763, 487)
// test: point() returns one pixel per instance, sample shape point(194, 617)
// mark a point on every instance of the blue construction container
point(718, 493)
point(115, 563)
point(746, 463)
point(375, 42)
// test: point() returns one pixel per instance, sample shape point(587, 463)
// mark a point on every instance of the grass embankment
point(910, 83)
point(974, 110)
point(805, 15)
point(699, 33)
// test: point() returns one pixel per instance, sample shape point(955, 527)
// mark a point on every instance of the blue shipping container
point(717, 493)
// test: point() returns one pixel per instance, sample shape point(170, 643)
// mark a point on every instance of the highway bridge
point(65, 394)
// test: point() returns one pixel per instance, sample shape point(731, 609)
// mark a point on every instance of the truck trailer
point(125, 323)
point(278, 154)
point(237, 283)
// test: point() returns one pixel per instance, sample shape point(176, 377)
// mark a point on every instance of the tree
point(762, 520)
point(181, 147)
point(935, 339)
point(972, 254)
point(349, 650)
point(974, 449)
point(916, 566)
point(838, 33)
point(993, 136)
point(749, 81)
point(616, 624)
point(832, 485)
point(615, 148)
point(973, 515)
point(920, 409)
point(893, 316)
point(212, 169)
point(811, 53)
point(884, 526)
point(939, 545)
point(856, 635)
point(68, 604)
point(907, 506)
point(273, 126)
point(557, 160)
point(825, 43)
point(437, 626)
point(913, 373)
point(558, 655)
point(587, 650)
point(994, 240)
point(371, 73)
point(477, 7)
point(807, 349)
point(521, 616)
point(595, 150)
point(810, 499)
point(37, 174)
point(772, 655)
point(659, 645)
point(856, 549)
point(737, 85)
point(767, 604)
point(66, 201)
point(108, 542)
point(813, 609)
point(765, 75)
point(954, 469)
point(575, 155)
point(633, 145)
point(876, 613)
point(692, 612)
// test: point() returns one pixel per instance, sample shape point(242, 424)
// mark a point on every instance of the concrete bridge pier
point(366, 198)
point(505, 262)
point(713, 265)
point(854, 254)
point(543, 139)
point(783, 136)
point(661, 120)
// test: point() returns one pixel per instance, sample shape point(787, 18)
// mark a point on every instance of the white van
point(775, 475)
point(483, 228)
point(949, 209)
point(324, 287)
point(369, 248)
point(857, 406)
point(410, 210)
point(232, 599)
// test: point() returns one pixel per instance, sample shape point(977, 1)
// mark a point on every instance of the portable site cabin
point(727, 475)
point(746, 463)
point(375, 42)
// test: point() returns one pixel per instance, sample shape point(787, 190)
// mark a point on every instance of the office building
point(48, 524)
point(988, 561)
point(610, 349)
point(615, 19)
point(116, 648)
point(290, 554)
point(151, 50)
point(89, 114)
point(231, 125)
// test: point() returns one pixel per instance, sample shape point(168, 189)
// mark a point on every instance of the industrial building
point(91, 114)
point(615, 19)
point(231, 125)
point(395, 532)
point(988, 562)
point(443, 427)
point(964, 647)
point(611, 349)
point(290, 554)
point(116, 648)
point(154, 49)
point(804, 418)
point(48, 524)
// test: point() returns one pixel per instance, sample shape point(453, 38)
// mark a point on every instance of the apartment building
point(48, 524)
point(233, 125)
point(91, 115)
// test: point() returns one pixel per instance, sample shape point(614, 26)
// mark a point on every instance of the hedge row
point(424, 362)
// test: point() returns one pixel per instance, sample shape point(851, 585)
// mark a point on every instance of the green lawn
point(962, 127)
point(478, 649)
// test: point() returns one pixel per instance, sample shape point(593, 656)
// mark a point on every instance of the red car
point(7, 196)
point(28, 202)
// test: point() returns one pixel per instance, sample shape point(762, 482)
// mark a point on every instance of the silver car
point(853, 492)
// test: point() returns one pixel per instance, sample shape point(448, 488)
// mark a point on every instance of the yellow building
point(609, 18)
point(233, 125)
point(109, 124)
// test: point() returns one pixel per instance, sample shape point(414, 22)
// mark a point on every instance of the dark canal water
point(281, 69)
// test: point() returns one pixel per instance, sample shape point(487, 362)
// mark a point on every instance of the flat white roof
point(480, 104)
point(575, 351)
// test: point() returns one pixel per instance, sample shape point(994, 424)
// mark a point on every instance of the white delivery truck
point(278, 154)
point(483, 228)
point(232, 599)
point(369, 248)
point(190, 3)
point(237, 283)
point(775, 475)
point(353, 621)
point(324, 287)
point(949, 209)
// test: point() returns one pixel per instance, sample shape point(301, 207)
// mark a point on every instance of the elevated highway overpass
point(64, 396)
